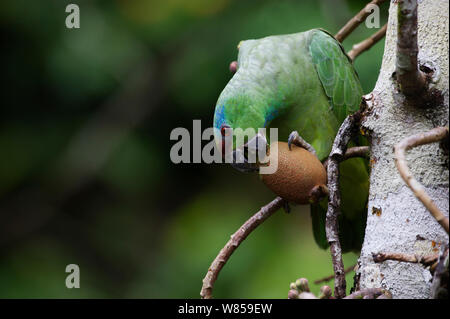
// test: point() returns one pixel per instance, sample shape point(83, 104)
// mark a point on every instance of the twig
point(369, 293)
point(357, 151)
point(365, 45)
point(356, 20)
point(346, 131)
point(435, 135)
point(426, 260)
point(235, 240)
point(410, 79)
point(300, 290)
point(331, 277)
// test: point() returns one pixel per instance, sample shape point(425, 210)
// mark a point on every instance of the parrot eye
point(224, 131)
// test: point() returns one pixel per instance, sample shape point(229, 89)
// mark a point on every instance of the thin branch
point(357, 151)
point(435, 135)
point(331, 277)
point(300, 290)
point(369, 293)
point(356, 20)
point(235, 240)
point(346, 131)
point(365, 45)
point(410, 79)
point(426, 260)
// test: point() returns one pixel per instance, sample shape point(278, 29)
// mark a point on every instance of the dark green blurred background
point(85, 173)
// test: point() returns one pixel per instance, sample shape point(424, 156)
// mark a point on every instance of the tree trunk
point(397, 221)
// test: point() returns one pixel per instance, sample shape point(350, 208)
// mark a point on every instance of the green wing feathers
point(341, 85)
point(336, 72)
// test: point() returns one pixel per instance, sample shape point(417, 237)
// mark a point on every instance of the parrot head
point(246, 108)
point(238, 133)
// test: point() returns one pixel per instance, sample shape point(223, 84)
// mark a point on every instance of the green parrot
point(305, 83)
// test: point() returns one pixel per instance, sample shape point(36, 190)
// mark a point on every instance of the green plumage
point(301, 82)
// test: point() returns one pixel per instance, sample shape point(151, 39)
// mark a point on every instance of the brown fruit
point(300, 177)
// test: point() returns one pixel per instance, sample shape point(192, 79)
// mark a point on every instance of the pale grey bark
point(404, 224)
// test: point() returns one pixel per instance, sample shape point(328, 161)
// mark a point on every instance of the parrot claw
point(291, 138)
point(296, 139)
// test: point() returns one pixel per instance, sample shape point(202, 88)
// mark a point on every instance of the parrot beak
point(241, 163)
point(246, 158)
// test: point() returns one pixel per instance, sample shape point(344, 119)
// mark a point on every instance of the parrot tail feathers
point(351, 232)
